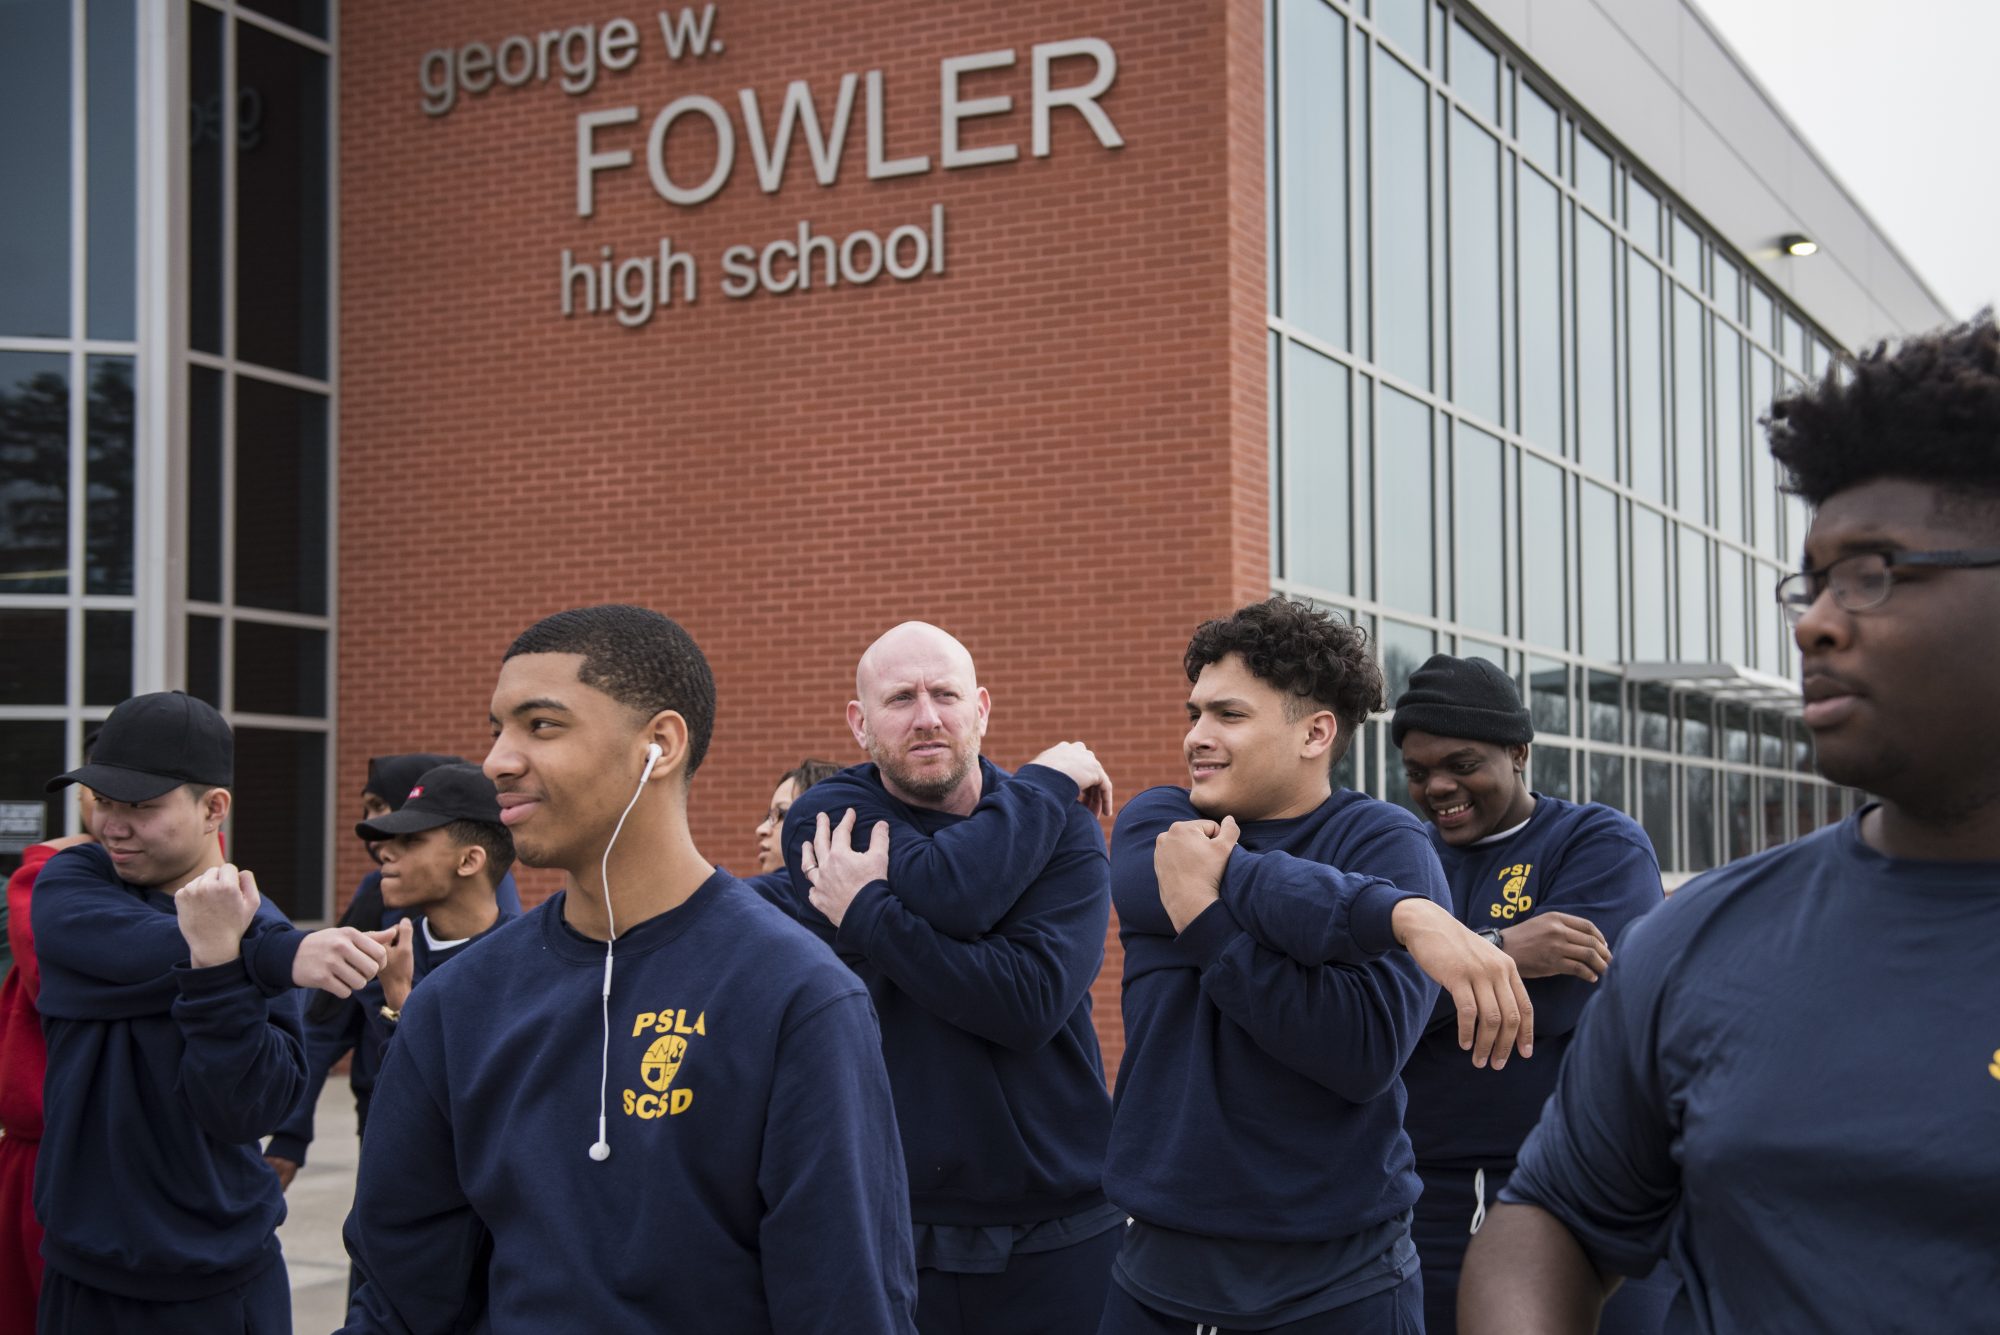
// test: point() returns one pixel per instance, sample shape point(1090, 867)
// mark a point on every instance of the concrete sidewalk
point(316, 1206)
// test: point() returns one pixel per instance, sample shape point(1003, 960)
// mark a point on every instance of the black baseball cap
point(391, 777)
point(442, 795)
point(152, 744)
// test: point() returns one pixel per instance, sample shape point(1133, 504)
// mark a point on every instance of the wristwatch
point(391, 1014)
point(1490, 935)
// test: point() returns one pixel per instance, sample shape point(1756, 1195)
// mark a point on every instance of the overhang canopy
point(1721, 681)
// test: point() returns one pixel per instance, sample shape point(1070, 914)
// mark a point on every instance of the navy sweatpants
point(1040, 1293)
point(1441, 1226)
point(1397, 1311)
point(263, 1306)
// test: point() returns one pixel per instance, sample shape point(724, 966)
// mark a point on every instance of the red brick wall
point(1056, 449)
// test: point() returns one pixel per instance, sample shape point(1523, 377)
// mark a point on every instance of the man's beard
point(925, 787)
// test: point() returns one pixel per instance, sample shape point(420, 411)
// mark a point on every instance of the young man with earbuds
point(653, 1102)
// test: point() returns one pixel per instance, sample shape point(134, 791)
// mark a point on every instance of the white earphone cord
point(602, 1149)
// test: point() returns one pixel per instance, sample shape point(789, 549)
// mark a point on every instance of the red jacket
point(24, 1056)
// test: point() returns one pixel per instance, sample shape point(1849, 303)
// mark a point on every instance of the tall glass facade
point(176, 538)
point(1514, 392)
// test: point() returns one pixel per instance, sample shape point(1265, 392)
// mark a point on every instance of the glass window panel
point(1690, 435)
point(1402, 242)
point(1317, 470)
point(305, 15)
point(34, 656)
point(1607, 780)
point(1363, 244)
point(1402, 22)
point(1763, 317)
point(278, 828)
point(1733, 646)
point(1543, 571)
point(1736, 733)
point(34, 165)
point(1593, 175)
point(1346, 771)
point(1694, 596)
point(1642, 215)
point(1770, 740)
point(1548, 696)
point(113, 90)
point(1697, 727)
point(1274, 423)
point(1802, 748)
point(1313, 89)
point(1699, 785)
point(1687, 251)
point(1492, 653)
point(1807, 797)
point(1596, 350)
point(1606, 708)
point(1649, 585)
point(1538, 127)
point(1728, 288)
point(31, 753)
point(1738, 809)
point(1656, 720)
point(204, 494)
point(204, 659)
point(1764, 622)
point(1406, 576)
point(1404, 649)
point(1645, 381)
point(1598, 563)
point(1395, 786)
point(281, 169)
point(1364, 483)
point(34, 471)
point(1822, 359)
point(1474, 201)
point(107, 657)
point(281, 479)
point(1766, 501)
point(1772, 816)
point(1481, 537)
point(208, 139)
point(1729, 462)
point(1538, 246)
point(1793, 348)
point(1475, 72)
point(1656, 810)
point(108, 477)
point(280, 670)
point(1549, 771)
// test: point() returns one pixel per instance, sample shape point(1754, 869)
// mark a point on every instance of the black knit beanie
point(391, 777)
point(1463, 697)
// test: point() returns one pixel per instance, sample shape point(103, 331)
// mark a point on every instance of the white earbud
point(601, 1150)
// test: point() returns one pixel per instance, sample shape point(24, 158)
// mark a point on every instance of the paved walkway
point(316, 1206)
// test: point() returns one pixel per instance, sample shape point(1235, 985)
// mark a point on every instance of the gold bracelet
point(391, 1014)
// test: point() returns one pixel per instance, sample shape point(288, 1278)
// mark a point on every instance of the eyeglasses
point(1863, 580)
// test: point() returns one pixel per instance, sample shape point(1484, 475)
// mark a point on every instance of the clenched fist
point(214, 910)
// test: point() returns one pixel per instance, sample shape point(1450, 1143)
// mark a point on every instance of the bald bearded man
point(973, 903)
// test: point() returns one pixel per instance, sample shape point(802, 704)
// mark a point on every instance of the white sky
point(1898, 99)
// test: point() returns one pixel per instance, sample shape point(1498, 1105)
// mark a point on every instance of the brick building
point(340, 342)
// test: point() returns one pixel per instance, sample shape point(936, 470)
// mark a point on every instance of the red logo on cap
point(417, 791)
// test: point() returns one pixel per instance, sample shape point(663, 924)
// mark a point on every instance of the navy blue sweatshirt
point(161, 1078)
point(754, 1182)
point(979, 951)
point(1789, 1086)
point(347, 1027)
point(1259, 1097)
point(1590, 861)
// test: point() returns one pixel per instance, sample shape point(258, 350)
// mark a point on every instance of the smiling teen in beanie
point(1789, 1083)
point(1552, 883)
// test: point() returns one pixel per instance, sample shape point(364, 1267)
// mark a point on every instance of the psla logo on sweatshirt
point(1515, 899)
point(662, 1062)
